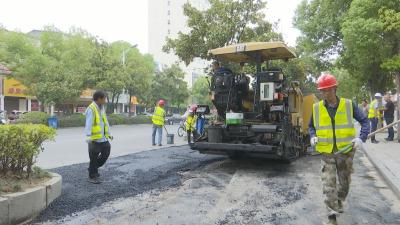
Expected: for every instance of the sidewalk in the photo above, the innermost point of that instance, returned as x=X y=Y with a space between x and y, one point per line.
x=386 y=158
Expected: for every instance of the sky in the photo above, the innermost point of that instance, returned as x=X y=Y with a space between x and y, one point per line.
x=113 y=20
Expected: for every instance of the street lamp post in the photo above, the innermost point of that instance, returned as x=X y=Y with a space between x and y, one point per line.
x=125 y=51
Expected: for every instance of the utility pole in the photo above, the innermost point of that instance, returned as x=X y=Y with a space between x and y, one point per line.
x=125 y=51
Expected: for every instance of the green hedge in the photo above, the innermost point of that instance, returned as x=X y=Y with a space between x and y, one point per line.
x=20 y=144
x=74 y=120
x=34 y=118
x=78 y=120
x=117 y=119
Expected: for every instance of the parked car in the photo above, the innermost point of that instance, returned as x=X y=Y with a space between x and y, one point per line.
x=3 y=117
x=15 y=114
x=174 y=118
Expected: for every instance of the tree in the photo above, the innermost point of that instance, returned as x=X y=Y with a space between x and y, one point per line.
x=52 y=67
x=366 y=47
x=168 y=84
x=225 y=22
x=391 y=23
x=201 y=91
x=347 y=34
x=320 y=22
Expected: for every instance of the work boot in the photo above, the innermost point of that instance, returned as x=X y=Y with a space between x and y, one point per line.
x=331 y=220
x=340 y=206
x=159 y=144
x=388 y=139
x=374 y=141
x=94 y=180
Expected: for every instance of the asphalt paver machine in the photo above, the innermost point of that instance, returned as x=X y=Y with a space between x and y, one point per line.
x=261 y=114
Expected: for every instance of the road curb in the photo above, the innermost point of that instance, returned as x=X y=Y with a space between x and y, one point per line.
x=387 y=174
x=18 y=207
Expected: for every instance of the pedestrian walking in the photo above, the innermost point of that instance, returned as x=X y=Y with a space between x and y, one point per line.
x=388 y=114
x=332 y=130
x=158 y=120
x=191 y=124
x=374 y=113
x=98 y=135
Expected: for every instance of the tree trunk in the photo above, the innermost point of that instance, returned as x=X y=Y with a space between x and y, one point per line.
x=130 y=105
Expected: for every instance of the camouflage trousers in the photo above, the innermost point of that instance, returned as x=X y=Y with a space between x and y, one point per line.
x=336 y=177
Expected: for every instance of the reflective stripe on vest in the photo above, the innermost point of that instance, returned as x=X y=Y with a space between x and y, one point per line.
x=344 y=127
x=97 y=133
x=158 y=116
x=190 y=123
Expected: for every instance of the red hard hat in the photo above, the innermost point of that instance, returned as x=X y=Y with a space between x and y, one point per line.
x=326 y=81
x=161 y=102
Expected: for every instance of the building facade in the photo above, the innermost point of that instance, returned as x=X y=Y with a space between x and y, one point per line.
x=166 y=19
x=13 y=94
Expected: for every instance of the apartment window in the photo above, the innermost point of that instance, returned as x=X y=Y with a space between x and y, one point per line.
x=169 y=31
x=169 y=22
x=169 y=12
x=169 y=2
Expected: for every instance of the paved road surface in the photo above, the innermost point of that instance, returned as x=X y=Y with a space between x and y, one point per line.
x=179 y=186
x=70 y=146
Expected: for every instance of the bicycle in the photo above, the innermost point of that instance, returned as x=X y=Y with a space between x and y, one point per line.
x=181 y=129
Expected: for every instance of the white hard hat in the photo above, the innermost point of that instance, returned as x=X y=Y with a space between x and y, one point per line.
x=378 y=95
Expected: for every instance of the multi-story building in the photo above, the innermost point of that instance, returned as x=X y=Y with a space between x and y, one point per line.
x=13 y=94
x=166 y=19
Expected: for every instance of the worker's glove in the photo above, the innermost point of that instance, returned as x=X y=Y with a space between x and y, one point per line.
x=314 y=141
x=357 y=143
x=110 y=138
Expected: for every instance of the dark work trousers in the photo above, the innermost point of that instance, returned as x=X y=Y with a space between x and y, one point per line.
x=189 y=136
x=390 y=130
x=98 y=154
x=374 y=125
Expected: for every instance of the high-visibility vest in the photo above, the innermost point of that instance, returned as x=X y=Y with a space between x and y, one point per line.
x=190 y=123
x=343 y=126
x=158 y=117
x=374 y=113
x=97 y=133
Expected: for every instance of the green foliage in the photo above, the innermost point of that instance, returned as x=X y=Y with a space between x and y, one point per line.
x=224 y=22
x=366 y=48
x=20 y=145
x=78 y=120
x=346 y=86
x=57 y=66
x=201 y=91
x=169 y=85
x=34 y=118
x=117 y=119
x=320 y=23
x=40 y=173
x=74 y=120
x=360 y=36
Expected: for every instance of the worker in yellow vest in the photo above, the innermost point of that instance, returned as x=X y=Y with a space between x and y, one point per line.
x=333 y=134
x=375 y=111
x=158 y=120
x=98 y=135
x=190 y=124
